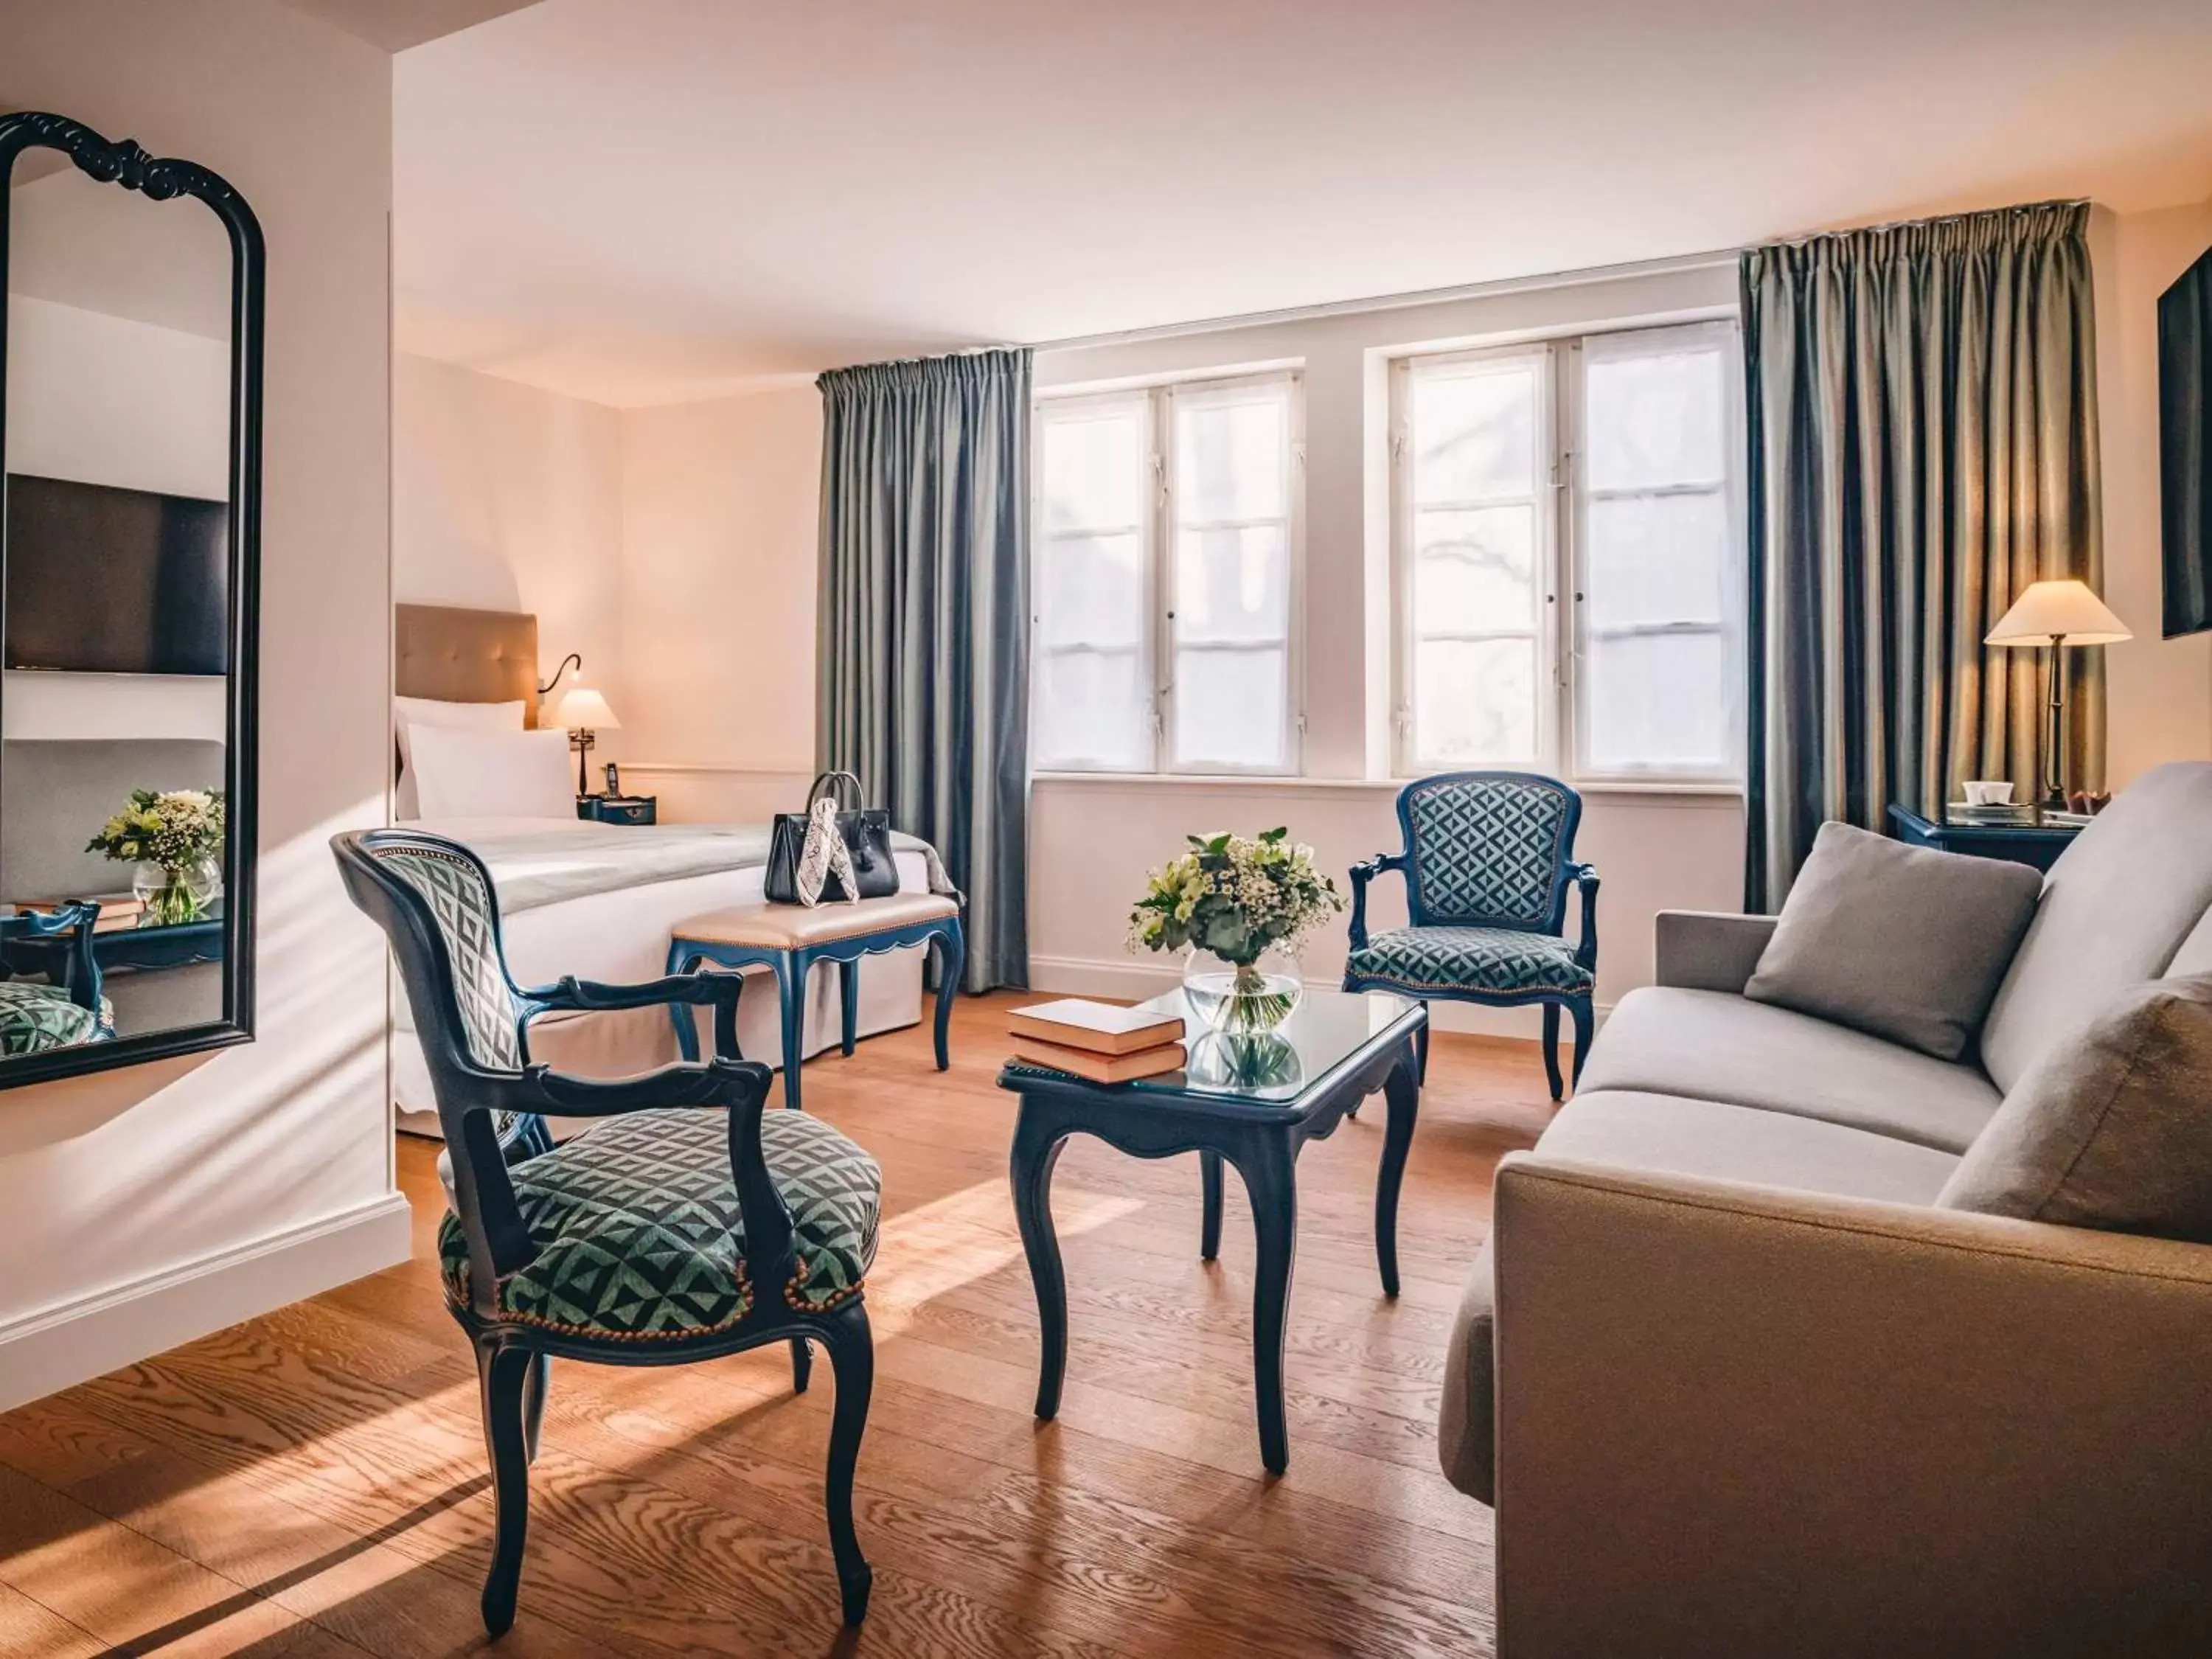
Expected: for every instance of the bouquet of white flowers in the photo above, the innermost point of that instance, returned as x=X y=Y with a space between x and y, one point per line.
x=1237 y=899
x=179 y=832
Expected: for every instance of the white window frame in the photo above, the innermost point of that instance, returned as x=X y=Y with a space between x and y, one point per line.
x=1560 y=541
x=1158 y=541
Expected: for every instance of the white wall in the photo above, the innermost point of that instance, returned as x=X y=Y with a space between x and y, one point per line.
x=719 y=520
x=2159 y=692
x=508 y=498
x=149 y=1206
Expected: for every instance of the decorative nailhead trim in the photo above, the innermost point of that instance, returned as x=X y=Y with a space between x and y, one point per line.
x=457 y=1294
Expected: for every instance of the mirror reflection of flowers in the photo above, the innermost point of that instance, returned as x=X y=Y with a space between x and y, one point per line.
x=175 y=837
x=1236 y=898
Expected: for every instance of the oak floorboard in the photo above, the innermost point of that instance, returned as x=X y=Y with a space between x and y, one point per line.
x=312 y=1485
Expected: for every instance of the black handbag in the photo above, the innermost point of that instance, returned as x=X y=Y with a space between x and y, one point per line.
x=867 y=833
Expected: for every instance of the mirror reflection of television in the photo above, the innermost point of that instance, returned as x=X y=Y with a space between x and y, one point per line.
x=2184 y=428
x=104 y=580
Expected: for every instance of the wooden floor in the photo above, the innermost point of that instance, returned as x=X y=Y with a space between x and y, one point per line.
x=313 y=1483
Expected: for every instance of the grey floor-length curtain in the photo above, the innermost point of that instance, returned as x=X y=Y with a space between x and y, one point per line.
x=1922 y=403
x=924 y=626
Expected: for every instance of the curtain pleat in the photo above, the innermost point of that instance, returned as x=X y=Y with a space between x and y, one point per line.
x=924 y=629
x=1923 y=446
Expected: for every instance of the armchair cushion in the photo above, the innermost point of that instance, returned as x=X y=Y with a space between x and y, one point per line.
x=35 y=1018
x=1497 y=961
x=640 y=1238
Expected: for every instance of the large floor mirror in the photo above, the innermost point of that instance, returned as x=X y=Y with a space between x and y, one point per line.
x=128 y=554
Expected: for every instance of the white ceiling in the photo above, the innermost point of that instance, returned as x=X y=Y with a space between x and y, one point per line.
x=647 y=200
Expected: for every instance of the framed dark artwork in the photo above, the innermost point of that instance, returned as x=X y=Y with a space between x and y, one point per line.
x=2184 y=384
x=131 y=349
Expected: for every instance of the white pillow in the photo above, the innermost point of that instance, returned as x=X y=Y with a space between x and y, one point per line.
x=460 y=774
x=430 y=711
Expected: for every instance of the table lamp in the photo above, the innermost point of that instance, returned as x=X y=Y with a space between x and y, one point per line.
x=2055 y=614
x=583 y=711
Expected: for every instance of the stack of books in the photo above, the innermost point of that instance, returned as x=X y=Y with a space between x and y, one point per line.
x=1095 y=1041
x=117 y=911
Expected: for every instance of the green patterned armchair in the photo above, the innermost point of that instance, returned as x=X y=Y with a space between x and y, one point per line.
x=1488 y=858
x=688 y=1225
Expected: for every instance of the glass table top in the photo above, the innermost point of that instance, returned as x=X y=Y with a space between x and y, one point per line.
x=1271 y=1068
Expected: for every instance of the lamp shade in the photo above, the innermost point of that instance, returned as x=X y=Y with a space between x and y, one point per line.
x=2067 y=612
x=582 y=708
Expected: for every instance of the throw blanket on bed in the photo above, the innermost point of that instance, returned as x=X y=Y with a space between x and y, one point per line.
x=537 y=867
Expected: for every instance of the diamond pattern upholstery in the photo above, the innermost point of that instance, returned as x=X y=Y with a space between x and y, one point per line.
x=35 y=1018
x=1486 y=851
x=461 y=905
x=639 y=1234
x=1500 y=961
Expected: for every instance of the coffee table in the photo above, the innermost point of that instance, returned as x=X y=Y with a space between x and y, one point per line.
x=1253 y=1102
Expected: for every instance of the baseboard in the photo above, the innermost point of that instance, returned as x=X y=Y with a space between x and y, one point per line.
x=1134 y=980
x=57 y=1348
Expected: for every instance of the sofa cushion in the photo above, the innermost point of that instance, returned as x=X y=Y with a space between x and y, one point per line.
x=2114 y=1131
x=1709 y=1045
x=1904 y=942
x=2116 y=907
x=1665 y=1134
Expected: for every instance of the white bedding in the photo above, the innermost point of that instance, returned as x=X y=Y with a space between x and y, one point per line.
x=621 y=937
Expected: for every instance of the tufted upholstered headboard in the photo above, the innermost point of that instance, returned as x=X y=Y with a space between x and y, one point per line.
x=466 y=656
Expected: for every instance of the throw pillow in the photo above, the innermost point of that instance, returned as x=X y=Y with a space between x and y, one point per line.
x=2112 y=1131
x=1904 y=942
x=459 y=774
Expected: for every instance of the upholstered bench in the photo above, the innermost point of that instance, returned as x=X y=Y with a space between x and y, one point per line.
x=790 y=938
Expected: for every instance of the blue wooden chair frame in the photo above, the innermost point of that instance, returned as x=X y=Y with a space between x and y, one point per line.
x=1421 y=913
x=494 y=1119
x=792 y=964
x=61 y=941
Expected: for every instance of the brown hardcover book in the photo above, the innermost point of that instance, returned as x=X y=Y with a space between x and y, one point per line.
x=1099 y=1027
x=1100 y=1068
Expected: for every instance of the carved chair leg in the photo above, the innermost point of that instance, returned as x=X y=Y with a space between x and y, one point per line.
x=802 y=1365
x=1551 y=1049
x=535 y=1381
x=853 y=1358
x=502 y=1374
x=1421 y=1054
x=1584 y=1018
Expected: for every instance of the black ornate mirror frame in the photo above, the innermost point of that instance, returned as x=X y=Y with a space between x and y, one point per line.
x=161 y=180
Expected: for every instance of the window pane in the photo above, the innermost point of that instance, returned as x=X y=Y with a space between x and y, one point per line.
x=1474 y=700
x=1095 y=468
x=1473 y=430
x=1228 y=707
x=1664 y=701
x=1655 y=419
x=1474 y=570
x=1656 y=558
x=1091 y=709
x=1232 y=585
x=1229 y=456
x=1090 y=590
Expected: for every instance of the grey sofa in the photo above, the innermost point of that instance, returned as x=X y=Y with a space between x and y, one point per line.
x=1734 y=1385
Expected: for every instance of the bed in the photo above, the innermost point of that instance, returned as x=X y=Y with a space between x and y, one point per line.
x=599 y=901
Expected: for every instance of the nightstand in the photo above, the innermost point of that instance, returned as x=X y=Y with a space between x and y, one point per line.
x=2036 y=844
x=618 y=809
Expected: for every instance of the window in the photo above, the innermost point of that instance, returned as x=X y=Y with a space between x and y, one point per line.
x=1166 y=582
x=1567 y=569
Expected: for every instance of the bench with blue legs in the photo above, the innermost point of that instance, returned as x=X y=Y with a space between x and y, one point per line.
x=790 y=938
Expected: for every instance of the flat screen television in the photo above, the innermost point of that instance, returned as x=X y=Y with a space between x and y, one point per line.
x=2184 y=444
x=102 y=580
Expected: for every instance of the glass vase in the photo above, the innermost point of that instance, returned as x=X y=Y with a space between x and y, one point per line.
x=174 y=894
x=1242 y=997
